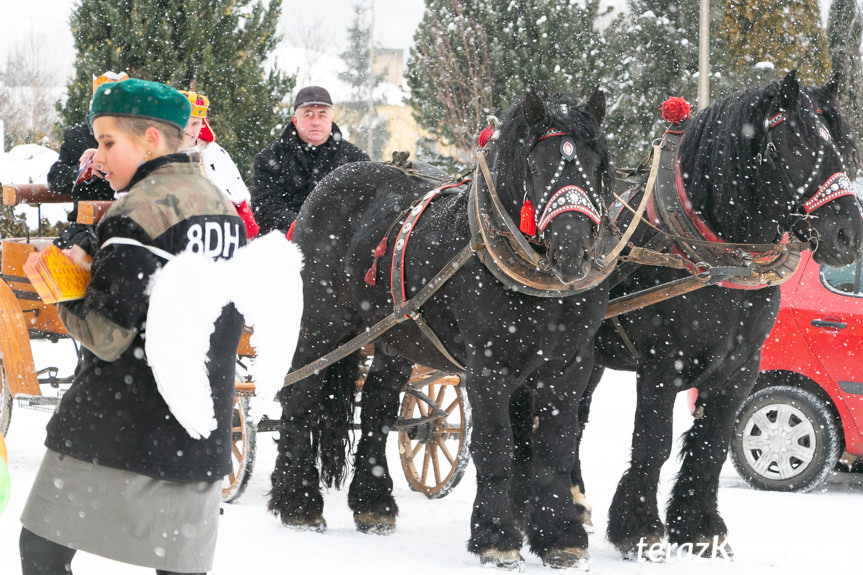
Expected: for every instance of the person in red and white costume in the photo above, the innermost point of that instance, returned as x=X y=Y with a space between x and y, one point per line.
x=217 y=163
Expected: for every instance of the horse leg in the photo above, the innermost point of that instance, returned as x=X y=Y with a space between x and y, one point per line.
x=370 y=493
x=556 y=532
x=692 y=513
x=308 y=429
x=522 y=421
x=296 y=494
x=579 y=493
x=494 y=536
x=633 y=519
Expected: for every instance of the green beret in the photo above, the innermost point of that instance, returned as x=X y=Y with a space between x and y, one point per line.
x=136 y=98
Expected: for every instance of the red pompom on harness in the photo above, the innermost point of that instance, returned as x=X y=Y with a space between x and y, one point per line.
x=675 y=110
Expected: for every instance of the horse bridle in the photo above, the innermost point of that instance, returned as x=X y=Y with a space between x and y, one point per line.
x=569 y=198
x=835 y=186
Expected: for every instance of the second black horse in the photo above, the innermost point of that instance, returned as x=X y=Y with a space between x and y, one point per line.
x=752 y=166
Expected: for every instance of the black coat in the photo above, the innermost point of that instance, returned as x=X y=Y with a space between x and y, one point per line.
x=288 y=170
x=61 y=176
x=113 y=414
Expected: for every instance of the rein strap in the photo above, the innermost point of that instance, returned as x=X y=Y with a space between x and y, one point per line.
x=407 y=311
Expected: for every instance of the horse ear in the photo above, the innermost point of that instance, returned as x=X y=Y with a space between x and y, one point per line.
x=789 y=91
x=534 y=109
x=596 y=104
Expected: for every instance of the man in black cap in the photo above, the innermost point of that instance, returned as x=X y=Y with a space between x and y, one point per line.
x=287 y=170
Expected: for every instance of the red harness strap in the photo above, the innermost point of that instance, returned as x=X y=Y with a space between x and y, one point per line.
x=402 y=238
x=397 y=272
x=710 y=235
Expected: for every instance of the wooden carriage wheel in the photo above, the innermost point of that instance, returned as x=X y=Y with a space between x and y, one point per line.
x=435 y=453
x=243 y=446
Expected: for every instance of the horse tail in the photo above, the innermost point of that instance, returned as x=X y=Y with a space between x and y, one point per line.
x=337 y=413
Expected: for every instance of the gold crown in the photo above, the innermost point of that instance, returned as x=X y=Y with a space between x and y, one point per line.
x=108 y=77
x=199 y=102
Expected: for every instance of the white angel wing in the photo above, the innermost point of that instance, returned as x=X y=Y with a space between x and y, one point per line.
x=186 y=298
x=268 y=291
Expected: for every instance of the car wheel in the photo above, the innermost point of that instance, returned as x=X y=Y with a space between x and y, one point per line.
x=785 y=439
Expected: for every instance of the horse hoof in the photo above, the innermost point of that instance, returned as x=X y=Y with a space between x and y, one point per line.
x=313 y=524
x=509 y=560
x=375 y=524
x=571 y=557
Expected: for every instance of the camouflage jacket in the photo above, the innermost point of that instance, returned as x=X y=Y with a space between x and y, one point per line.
x=113 y=414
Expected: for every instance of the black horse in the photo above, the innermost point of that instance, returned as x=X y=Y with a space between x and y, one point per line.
x=504 y=338
x=753 y=165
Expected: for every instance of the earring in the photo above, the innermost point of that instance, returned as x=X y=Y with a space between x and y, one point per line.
x=147 y=157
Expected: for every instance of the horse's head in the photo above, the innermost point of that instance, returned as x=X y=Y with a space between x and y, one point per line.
x=770 y=160
x=801 y=158
x=552 y=153
x=836 y=225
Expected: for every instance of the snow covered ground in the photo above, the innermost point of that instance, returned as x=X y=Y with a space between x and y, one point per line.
x=771 y=533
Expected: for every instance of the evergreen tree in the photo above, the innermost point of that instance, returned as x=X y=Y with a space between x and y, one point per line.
x=845 y=35
x=784 y=34
x=217 y=47
x=472 y=58
x=356 y=57
x=27 y=97
x=355 y=113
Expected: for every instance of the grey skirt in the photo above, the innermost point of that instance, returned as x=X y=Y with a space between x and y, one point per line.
x=124 y=516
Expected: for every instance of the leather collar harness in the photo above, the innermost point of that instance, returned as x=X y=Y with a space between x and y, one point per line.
x=509 y=255
x=697 y=248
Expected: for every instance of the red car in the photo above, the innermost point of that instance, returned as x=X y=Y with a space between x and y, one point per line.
x=807 y=405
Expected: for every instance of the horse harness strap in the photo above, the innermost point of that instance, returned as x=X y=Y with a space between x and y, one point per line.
x=761 y=264
x=405 y=312
x=397 y=274
x=507 y=254
x=522 y=247
x=693 y=246
x=648 y=194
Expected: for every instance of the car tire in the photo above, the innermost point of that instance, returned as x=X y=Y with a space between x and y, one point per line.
x=785 y=439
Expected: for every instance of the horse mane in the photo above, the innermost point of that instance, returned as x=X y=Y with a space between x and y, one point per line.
x=719 y=158
x=840 y=130
x=563 y=112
